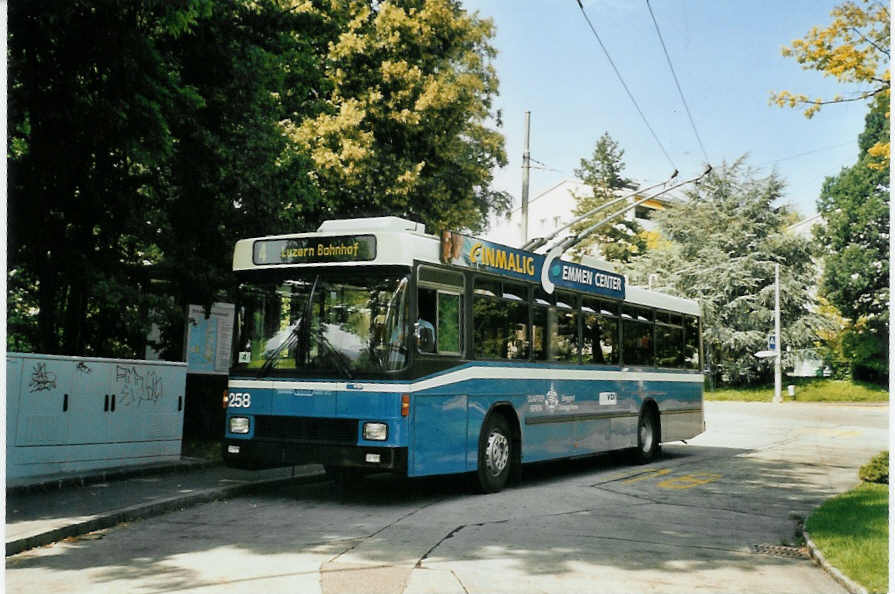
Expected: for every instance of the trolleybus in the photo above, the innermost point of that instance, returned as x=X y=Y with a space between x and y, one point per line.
x=370 y=345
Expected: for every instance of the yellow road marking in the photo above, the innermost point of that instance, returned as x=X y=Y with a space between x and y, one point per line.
x=688 y=481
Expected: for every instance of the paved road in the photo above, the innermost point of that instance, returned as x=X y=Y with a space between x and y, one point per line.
x=688 y=523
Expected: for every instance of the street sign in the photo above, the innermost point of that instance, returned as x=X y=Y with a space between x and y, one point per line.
x=766 y=354
x=772 y=342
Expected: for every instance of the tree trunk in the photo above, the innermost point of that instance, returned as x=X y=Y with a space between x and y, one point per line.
x=47 y=294
x=75 y=314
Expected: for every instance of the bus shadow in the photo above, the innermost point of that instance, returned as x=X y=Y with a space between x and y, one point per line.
x=589 y=517
x=388 y=489
x=534 y=474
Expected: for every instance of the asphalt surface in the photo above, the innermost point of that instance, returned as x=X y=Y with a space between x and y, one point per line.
x=54 y=508
x=762 y=485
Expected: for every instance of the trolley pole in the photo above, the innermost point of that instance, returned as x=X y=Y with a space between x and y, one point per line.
x=778 y=380
x=526 y=165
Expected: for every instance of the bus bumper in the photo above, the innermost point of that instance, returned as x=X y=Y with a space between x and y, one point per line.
x=270 y=454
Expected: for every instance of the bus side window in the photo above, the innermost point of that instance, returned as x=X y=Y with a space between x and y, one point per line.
x=637 y=336
x=563 y=329
x=450 y=311
x=515 y=303
x=540 y=338
x=427 y=304
x=601 y=344
x=691 y=342
x=500 y=320
x=669 y=345
x=440 y=309
x=439 y=320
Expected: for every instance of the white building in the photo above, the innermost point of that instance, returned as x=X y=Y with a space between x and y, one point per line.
x=805 y=227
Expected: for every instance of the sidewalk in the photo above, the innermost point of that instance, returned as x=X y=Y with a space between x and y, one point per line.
x=64 y=506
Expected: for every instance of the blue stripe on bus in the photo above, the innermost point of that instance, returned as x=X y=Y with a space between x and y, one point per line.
x=442 y=435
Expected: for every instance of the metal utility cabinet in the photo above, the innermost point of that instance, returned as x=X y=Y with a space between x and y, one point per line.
x=67 y=414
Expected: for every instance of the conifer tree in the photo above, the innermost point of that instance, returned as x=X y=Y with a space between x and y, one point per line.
x=603 y=173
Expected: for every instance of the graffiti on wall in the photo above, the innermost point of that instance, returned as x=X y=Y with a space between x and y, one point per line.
x=41 y=379
x=136 y=387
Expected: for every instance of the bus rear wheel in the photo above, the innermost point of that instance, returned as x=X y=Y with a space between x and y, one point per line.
x=495 y=454
x=647 y=437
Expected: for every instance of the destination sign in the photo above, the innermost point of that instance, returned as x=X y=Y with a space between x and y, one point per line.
x=584 y=278
x=471 y=252
x=314 y=250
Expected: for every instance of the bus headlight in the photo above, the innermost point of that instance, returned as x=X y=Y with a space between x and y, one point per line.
x=239 y=424
x=375 y=431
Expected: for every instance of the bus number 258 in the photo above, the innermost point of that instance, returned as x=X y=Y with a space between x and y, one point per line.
x=239 y=400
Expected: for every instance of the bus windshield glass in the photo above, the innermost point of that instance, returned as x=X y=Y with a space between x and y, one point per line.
x=323 y=325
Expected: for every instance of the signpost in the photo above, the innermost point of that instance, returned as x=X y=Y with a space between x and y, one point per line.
x=778 y=382
x=774 y=340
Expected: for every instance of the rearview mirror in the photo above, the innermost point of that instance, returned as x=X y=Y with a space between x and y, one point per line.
x=425 y=336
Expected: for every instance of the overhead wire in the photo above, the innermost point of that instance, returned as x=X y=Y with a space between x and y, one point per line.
x=805 y=153
x=545 y=167
x=677 y=83
x=625 y=86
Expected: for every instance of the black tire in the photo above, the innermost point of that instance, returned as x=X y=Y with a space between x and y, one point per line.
x=495 y=454
x=648 y=448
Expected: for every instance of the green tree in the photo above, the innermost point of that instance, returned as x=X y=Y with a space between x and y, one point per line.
x=404 y=132
x=138 y=156
x=854 y=49
x=603 y=173
x=720 y=248
x=855 y=247
x=88 y=97
x=226 y=178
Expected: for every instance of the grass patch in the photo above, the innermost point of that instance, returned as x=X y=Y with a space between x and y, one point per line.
x=852 y=531
x=807 y=390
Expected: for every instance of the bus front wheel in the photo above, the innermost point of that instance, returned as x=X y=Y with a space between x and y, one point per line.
x=647 y=437
x=495 y=454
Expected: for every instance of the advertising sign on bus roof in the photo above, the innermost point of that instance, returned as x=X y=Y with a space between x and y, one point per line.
x=471 y=252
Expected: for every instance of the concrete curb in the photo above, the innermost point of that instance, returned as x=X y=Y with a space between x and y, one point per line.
x=82 y=479
x=147 y=510
x=837 y=575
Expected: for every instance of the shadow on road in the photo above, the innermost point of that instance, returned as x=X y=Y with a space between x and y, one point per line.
x=600 y=513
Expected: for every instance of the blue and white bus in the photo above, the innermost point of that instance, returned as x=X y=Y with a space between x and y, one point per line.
x=371 y=346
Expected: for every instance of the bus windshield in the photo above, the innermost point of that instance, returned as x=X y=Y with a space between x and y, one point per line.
x=323 y=325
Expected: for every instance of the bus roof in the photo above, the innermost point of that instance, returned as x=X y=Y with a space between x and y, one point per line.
x=392 y=241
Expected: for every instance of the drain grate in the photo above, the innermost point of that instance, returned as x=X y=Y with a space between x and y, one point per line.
x=781 y=551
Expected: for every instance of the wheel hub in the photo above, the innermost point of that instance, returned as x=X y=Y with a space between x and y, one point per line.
x=646 y=435
x=497 y=454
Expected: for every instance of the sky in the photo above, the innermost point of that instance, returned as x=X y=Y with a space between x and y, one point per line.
x=728 y=60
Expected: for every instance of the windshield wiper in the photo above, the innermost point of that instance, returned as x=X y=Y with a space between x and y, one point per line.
x=290 y=340
x=294 y=334
x=336 y=355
